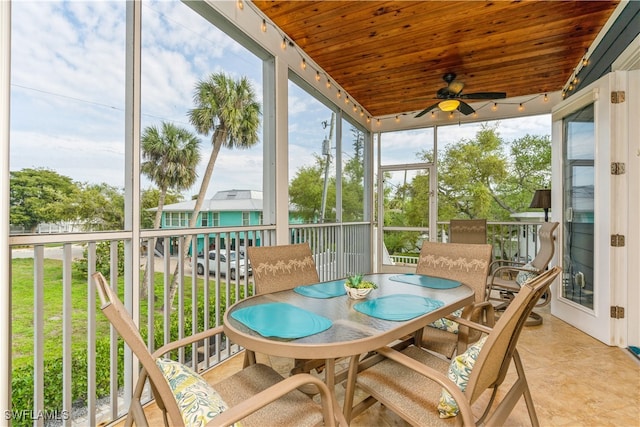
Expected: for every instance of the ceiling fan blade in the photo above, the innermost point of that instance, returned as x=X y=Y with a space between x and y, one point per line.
x=426 y=110
x=483 y=95
x=465 y=108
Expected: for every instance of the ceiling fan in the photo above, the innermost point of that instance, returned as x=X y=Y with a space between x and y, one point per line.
x=452 y=97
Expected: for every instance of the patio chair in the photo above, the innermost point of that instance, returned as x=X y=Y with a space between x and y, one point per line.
x=279 y=268
x=468 y=231
x=256 y=395
x=465 y=263
x=506 y=277
x=393 y=377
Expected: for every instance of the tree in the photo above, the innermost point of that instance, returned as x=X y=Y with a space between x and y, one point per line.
x=170 y=156
x=487 y=177
x=41 y=196
x=100 y=207
x=305 y=192
x=229 y=110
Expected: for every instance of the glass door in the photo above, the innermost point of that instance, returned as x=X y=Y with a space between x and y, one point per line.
x=581 y=163
x=578 y=203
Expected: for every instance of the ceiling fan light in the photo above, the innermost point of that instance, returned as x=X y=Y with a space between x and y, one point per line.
x=449 y=104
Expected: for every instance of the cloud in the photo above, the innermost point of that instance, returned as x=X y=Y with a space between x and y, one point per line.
x=68 y=93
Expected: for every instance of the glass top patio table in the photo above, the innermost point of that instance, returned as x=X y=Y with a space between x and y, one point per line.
x=351 y=332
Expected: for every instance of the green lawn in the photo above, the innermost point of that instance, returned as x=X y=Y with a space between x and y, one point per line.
x=23 y=303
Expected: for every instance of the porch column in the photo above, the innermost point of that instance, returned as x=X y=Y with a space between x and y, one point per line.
x=5 y=251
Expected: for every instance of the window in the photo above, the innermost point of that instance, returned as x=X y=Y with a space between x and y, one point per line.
x=215 y=218
x=246 y=218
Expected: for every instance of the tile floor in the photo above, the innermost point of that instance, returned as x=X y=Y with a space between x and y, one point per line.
x=575 y=380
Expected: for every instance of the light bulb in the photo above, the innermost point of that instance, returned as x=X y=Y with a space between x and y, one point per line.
x=263 y=27
x=284 y=43
x=303 y=64
x=494 y=107
x=240 y=4
x=546 y=98
x=317 y=76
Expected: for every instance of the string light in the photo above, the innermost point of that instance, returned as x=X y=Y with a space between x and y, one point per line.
x=494 y=107
x=433 y=114
x=521 y=107
x=304 y=64
x=546 y=98
x=397 y=119
x=378 y=123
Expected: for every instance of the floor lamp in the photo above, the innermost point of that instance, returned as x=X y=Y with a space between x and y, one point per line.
x=542 y=200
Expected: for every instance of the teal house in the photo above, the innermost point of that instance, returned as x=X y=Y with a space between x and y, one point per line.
x=229 y=208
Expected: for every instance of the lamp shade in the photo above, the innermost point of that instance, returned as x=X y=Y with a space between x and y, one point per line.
x=541 y=199
x=449 y=104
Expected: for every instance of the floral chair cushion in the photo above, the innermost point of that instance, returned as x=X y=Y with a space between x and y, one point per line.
x=446 y=324
x=459 y=371
x=524 y=276
x=198 y=402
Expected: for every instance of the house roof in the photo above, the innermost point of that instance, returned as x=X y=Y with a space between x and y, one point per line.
x=223 y=201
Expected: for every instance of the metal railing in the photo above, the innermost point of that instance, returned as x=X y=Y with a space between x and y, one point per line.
x=516 y=241
x=96 y=370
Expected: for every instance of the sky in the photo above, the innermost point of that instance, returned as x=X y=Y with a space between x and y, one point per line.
x=68 y=93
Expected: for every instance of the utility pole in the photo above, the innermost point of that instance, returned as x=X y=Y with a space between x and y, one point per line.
x=326 y=151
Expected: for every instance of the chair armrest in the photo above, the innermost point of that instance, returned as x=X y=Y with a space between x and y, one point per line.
x=474 y=325
x=331 y=410
x=436 y=376
x=504 y=262
x=187 y=340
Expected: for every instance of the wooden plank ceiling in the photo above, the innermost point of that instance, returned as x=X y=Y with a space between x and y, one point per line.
x=391 y=55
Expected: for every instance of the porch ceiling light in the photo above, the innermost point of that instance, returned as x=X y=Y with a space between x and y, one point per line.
x=449 y=104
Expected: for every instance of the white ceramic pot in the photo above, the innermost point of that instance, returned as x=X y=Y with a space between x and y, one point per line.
x=357 y=293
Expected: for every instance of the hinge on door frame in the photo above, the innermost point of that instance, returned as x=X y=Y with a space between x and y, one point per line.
x=617 y=240
x=617 y=312
x=617 y=97
x=617 y=168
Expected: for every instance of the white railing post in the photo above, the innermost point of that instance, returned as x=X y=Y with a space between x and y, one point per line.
x=5 y=250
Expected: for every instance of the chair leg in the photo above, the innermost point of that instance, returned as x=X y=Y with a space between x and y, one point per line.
x=527 y=393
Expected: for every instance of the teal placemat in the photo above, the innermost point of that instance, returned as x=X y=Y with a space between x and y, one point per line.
x=322 y=290
x=398 y=307
x=281 y=320
x=426 y=281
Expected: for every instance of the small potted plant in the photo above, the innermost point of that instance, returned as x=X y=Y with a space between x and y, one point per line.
x=357 y=288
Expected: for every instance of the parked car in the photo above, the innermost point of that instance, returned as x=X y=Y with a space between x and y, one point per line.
x=236 y=266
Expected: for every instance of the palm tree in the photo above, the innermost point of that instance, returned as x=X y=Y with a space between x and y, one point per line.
x=169 y=159
x=227 y=108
